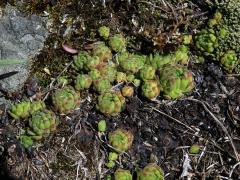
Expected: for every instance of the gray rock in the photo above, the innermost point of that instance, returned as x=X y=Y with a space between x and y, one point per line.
x=21 y=38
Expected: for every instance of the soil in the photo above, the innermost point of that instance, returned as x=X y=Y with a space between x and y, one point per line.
x=163 y=129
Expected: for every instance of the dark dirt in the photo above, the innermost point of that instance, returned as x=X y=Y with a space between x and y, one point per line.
x=163 y=130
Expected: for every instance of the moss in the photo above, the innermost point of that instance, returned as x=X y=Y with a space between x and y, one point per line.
x=230 y=12
x=102 y=85
x=127 y=91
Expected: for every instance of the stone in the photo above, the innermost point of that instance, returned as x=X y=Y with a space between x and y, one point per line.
x=21 y=38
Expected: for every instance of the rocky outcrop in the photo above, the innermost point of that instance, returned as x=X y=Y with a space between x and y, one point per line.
x=21 y=38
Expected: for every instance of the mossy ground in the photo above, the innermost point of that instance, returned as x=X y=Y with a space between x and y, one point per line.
x=163 y=131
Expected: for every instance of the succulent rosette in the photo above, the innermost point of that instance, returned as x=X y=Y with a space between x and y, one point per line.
x=62 y=80
x=83 y=81
x=20 y=110
x=150 y=89
x=102 y=125
x=104 y=32
x=66 y=99
x=127 y=91
x=121 y=174
x=37 y=106
x=206 y=41
x=26 y=141
x=151 y=172
x=147 y=73
x=102 y=85
x=117 y=43
x=181 y=55
x=137 y=82
x=121 y=140
x=122 y=56
x=157 y=60
x=121 y=77
x=218 y=16
x=42 y=123
x=80 y=60
x=112 y=156
x=110 y=103
x=130 y=78
x=175 y=81
x=133 y=63
x=187 y=39
x=102 y=51
x=229 y=61
x=24 y=109
x=215 y=20
x=94 y=74
x=92 y=62
x=108 y=72
x=194 y=149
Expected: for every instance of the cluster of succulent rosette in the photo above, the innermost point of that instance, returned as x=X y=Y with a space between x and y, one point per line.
x=114 y=74
x=108 y=64
x=121 y=141
x=220 y=41
x=24 y=109
x=42 y=121
x=150 y=172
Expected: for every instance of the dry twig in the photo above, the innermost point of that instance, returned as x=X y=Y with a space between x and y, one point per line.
x=219 y=123
x=51 y=87
x=232 y=170
x=174 y=119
